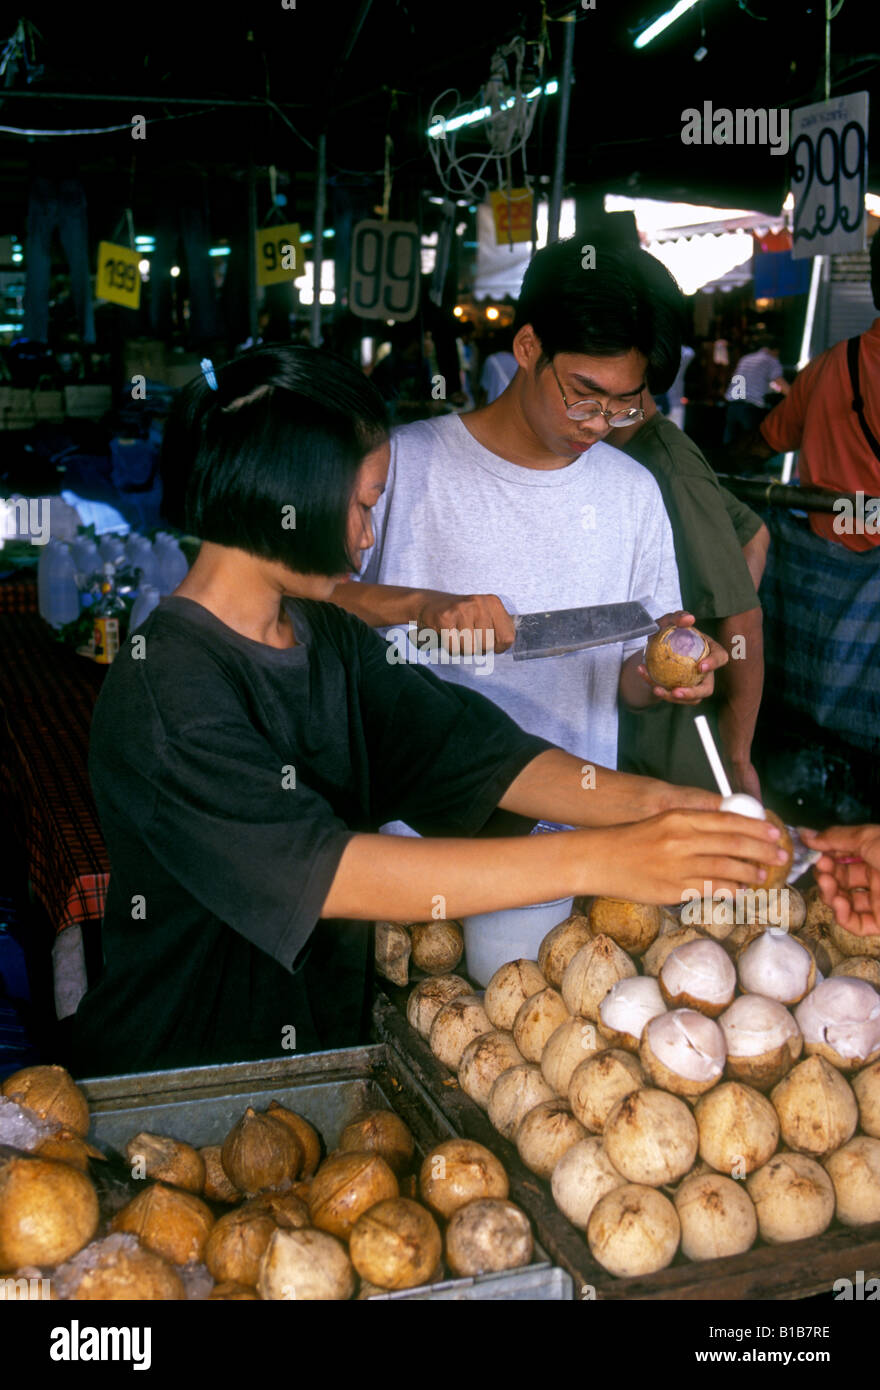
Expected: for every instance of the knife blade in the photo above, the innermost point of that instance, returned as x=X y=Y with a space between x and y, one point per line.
x=574 y=629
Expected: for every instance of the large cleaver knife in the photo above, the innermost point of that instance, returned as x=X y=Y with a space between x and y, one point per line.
x=574 y=629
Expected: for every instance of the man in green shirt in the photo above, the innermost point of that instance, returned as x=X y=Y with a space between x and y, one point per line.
x=720 y=548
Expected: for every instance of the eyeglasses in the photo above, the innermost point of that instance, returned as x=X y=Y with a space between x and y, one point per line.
x=588 y=410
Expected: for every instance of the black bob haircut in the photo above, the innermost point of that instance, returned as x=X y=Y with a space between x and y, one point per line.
x=627 y=300
x=288 y=426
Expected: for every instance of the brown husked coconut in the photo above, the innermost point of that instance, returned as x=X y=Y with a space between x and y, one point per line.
x=345 y=1186
x=571 y=1043
x=456 y=1025
x=793 y=1197
x=437 y=947
x=287 y=1209
x=633 y=926
x=669 y=939
x=537 y=1018
x=778 y=966
x=717 y=1217
x=598 y=1083
x=487 y=1236
x=855 y=1172
x=48 y=1211
x=260 y=1154
x=850 y=943
x=381 y=1132
x=700 y=976
x=509 y=988
x=777 y=874
x=673 y=656
x=787 y=910
x=840 y=1021
x=396 y=1244
x=459 y=1171
x=823 y=950
x=175 y=1224
x=859 y=968
x=232 y=1293
x=118 y=1269
x=305 y=1266
x=683 y=1052
x=392 y=950
x=762 y=1039
x=627 y=1008
x=819 y=914
x=739 y=1129
x=308 y=1136
x=715 y=917
x=592 y=972
x=633 y=1230
x=428 y=997
x=166 y=1160
x=866 y=1088
x=560 y=945
x=51 y=1093
x=68 y=1147
x=816 y=1107
x=483 y=1061
x=743 y=934
x=582 y=1176
x=217 y=1187
x=651 y=1137
x=236 y=1246
x=545 y=1134
x=517 y=1091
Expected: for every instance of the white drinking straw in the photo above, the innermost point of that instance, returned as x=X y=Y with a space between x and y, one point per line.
x=712 y=754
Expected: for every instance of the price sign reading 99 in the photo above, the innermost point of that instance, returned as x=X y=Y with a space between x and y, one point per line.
x=829 y=176
x=119 y=279
x=385 y=270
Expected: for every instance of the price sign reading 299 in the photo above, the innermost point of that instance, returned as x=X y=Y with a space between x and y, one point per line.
x=385 y=270
x=829 y=173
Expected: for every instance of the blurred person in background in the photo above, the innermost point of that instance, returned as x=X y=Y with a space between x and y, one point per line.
x=499 y=366
x=756 y=373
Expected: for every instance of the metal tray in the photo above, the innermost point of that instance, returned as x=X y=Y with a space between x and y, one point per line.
x=201 y=1104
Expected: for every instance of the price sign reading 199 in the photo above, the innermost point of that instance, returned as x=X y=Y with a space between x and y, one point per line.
x=118 y=280
x=385 y=270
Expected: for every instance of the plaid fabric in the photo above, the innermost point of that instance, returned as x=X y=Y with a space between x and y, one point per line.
x=19 y=594
x=821 y=606
x=47 y=695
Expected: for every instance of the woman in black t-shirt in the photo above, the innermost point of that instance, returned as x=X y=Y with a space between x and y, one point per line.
x=252 y=737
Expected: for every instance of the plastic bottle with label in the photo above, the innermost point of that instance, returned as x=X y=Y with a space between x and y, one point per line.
x=146 y=601
x=62 y=594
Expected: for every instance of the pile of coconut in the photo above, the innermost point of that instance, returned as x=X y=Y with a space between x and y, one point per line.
x=688 y=1083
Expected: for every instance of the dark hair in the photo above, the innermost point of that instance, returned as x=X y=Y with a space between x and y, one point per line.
x=875 y=269
x=627 y=300
x=289 y=425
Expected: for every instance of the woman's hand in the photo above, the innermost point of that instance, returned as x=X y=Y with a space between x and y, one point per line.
x=848 y=874
x=688 y=695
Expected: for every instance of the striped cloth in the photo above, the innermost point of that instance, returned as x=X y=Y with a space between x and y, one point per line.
x=822 y=630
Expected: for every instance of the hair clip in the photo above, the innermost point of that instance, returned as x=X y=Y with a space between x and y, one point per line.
x=207 y=367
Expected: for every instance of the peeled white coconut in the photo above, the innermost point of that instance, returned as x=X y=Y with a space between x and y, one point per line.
x=816 y=1107
x=717 y=1217
x=840 y=1020
x=683 y=1052
x=428 y=997
x=599 y=1083
x=739 y=1128
x=483 y=1061
x=777 y=966
x=672 y=935
x=627 y=1007
x=593 y=971
x=569 y=1045
x=456 y=1025
x=633 y=1230
x=509 y=988
x=859 y=968
x=793 y=1197
x=651 y=1137
x=634 y=926
x=582 y=1176
x=537 y=1018
x=866 y=1088
x=545 y=1133
x=699 y=976
x=561 y=944
x=855 y=1172
x=517 y=1091
x=762 y=1039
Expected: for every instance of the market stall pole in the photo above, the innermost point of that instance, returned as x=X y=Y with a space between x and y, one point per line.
x=561 y=132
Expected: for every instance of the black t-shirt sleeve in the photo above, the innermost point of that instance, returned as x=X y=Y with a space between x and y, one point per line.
x=441 y=755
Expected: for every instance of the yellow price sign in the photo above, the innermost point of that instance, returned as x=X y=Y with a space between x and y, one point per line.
x=119 y=279
x=279 y=254
x=512 y=210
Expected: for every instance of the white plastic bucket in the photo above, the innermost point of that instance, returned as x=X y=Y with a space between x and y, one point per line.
x=493 y=938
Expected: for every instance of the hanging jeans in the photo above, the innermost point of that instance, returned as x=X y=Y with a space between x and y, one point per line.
x=61 y=204
x=184 y=215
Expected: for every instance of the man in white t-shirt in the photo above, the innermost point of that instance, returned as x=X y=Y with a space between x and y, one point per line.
x=521 y=507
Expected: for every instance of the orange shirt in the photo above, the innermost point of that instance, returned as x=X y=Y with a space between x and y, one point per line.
x=817 y=418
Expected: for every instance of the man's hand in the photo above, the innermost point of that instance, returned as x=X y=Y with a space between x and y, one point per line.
x=848 y=874
x=469 y=613
x=688 y=695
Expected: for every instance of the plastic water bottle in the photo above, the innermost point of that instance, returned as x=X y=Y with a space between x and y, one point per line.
x=112 y=548
x=146 y=601
x=44 y=569
x=85 y=555
x=173 y=567
x=63 y=597
x=142 y=558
